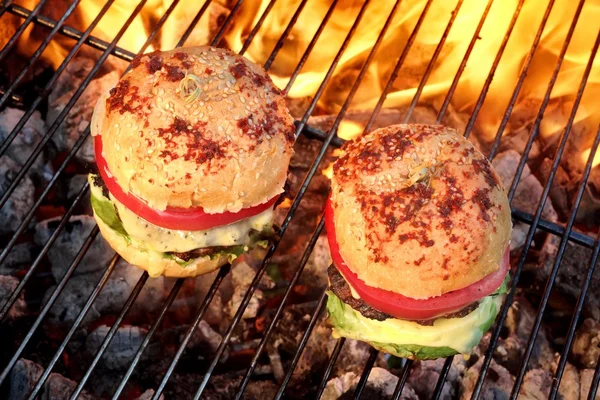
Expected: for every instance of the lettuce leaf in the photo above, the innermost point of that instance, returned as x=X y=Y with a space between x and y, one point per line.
x=106 y=211
x=446 y=336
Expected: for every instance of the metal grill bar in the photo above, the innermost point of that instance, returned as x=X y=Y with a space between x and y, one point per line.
x=562 y=246
x=271 y=327
x=302 y=345
x=399 y=63
x=402 y=381
x=463 y=63
x=490 y=77
x=82 y=314
x=434 y=57
x=586 y=283
x=113 y=329
x=362 y=382
x=334 y=356
x=15 y=294
x=188 y=335
x=554 y=229
x=49 y=303
x=310 y=47
x=595 y=382
x=530 y=234
x=522 y=75
x=46 y=90
x=138 y=354
x=292 y=210
x=38 y=52
x=11 y=42
x=284 y=35
x=70 y=32
x=257 y=27
x=439 y=386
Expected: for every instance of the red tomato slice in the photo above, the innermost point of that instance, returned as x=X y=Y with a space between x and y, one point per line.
x=189 y=219
x=405 y=307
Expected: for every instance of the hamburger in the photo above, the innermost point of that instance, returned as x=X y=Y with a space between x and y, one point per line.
x=419 y=226
x=192 y=148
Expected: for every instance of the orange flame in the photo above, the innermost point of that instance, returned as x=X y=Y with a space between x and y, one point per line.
x=404 y=87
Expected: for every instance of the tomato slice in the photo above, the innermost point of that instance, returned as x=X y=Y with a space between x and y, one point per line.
x=189 y=219
x=408 y=308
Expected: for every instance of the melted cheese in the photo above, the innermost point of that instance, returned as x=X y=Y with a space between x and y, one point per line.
x=169 y=240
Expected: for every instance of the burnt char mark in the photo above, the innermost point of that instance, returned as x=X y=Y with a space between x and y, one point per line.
x=123 y=97
x=180 y=56
x=174 y=73
x=198 y=146
x=481 y=197
x=154 y=63
x=339 y=286
x=239 y=69
x=483 y=167
x=97 y=180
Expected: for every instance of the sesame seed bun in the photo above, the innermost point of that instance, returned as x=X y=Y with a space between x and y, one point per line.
x=225 y=149
x=418 y=210
x=154 y=262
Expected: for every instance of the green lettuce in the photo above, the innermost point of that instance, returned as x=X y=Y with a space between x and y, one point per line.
x=445 y=337
x=105 y=209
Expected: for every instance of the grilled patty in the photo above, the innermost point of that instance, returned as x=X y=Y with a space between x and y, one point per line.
x=339 y=286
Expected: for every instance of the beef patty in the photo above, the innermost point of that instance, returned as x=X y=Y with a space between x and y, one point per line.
x=339 y=286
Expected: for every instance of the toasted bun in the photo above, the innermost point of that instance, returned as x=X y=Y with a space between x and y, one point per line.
x=225 y=150
x=418 y=210
x=153 y=261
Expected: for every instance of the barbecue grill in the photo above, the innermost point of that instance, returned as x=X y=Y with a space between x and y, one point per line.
x=328 y=139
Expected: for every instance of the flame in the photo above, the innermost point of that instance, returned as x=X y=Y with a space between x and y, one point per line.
x=585 y=155
x=314 y=70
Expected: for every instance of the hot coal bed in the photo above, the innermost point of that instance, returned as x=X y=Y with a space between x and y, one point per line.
x=78 y=322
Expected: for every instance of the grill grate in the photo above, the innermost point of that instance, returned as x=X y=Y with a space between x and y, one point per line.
x=328 y=139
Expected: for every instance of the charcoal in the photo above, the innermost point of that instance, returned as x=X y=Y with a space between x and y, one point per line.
x=205 y=335
x=380 y=385
x=25 y=142
x=122 y=348
x=25 y=375
x=7 y=285
x=80 y=115
x=572 y=272
x=353 y=357
x=519 y=324
x=110 y=300
x=147 y=395
x=242 y=275
x=258 y=390
x=585 y=378
x=60 y=388
x=529 y=190
x=498 y=383
x=23 y=378
x=69 y=242
x=586 y=346
x=20 y=256
x=21 y=199
x=569 y=388
x=74 y=186
x=424 y=376
x=315 y=271
x=536 y=384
